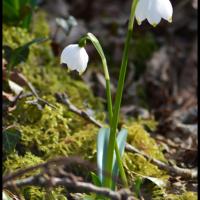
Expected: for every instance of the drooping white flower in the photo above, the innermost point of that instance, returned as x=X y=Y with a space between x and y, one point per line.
x=75 y=57
x=153 y=11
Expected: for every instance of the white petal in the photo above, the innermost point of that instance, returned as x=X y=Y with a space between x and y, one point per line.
x=153 y=16
x=84 y=60
x=15 y=87
x=69 y=56
x=165 y=9
x=153 y=10
x=75 y=57
x=141 y=11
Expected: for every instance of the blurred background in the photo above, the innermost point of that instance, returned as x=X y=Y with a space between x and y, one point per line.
x=162 y=69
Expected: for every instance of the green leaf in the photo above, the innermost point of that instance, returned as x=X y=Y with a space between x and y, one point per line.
x=121 y=142
x=10 y=13
x=66 y=24
x=137 y=185
x=102 y=143
x=95 y=179
x=18 y=12
x=11 y=137
x=20 y=54
x=102 y=148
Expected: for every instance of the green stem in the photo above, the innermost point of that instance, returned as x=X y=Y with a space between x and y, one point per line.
x=115 y=118
x=99 y=49
x=109 y=100
x=118 y=157
x=120 y=165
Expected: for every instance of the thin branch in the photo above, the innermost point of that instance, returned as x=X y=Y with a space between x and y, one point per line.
x=54 y=174
x=38 y=99
x=58 y=161
x=78 y=186
x=184 y=173
x=172 y=144
x=62 y=98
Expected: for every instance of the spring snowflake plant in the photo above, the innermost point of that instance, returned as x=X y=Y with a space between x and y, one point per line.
x=110 y=141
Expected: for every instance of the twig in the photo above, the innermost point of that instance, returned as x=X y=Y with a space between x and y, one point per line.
x=57 y=161
x=54 y=175
x=172 y=144
x=61 y=161
x=184 y=173
x=42 y=181
x=38 y=99
x=16 y=99
x=62 y=98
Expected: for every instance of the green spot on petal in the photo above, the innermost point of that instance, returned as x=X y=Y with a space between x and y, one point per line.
x=154 y=24
x=170 y=20
x=139 y=22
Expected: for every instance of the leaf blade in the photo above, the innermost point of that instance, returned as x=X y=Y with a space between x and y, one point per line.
x=102 y=143
x=10 y=138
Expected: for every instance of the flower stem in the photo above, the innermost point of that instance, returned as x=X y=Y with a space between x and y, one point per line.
x=118 y=157
x=99 y=49
x=115 y=118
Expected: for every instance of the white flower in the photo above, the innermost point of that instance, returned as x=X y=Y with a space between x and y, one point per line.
x=75 y=57
x=153 y=11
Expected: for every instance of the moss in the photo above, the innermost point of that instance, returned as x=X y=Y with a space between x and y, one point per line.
x=148 y=124
x=140 y=138
x=36 y=193
x=33 y=193
x=15 y=36
x=41 y=129
x=47 y=129
x=184 y=196
x=15 y=162
x=36 y=27
x=84 y=142
x=137 y=164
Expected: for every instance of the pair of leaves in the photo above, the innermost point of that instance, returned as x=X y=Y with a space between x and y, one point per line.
x=102 y=149
x=66 y=24
x=11 y=137
x=20 y=54
x=18 y=12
